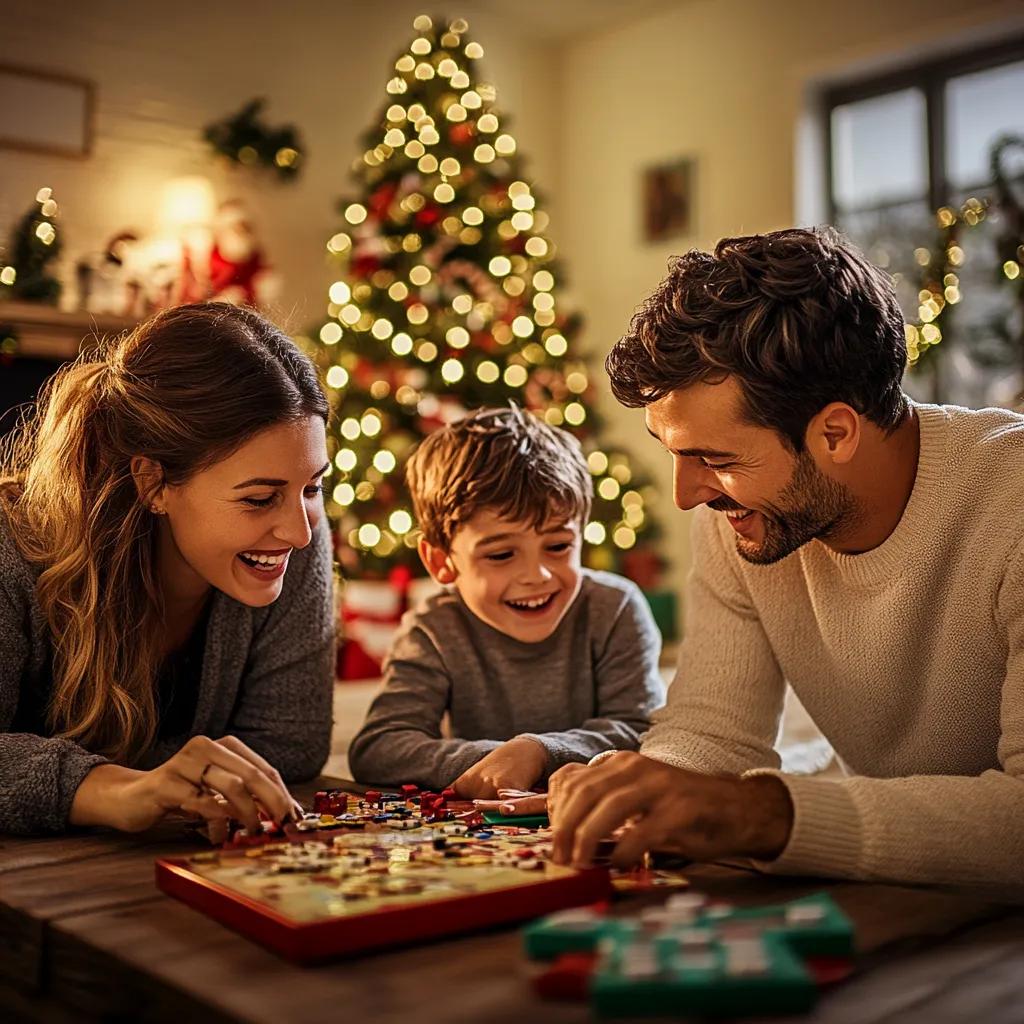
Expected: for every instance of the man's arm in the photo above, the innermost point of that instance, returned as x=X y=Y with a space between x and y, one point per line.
x=725 y=702
x=936 y=829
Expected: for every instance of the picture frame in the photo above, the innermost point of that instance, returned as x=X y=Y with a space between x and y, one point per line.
x=47 y=113
x=668 y=199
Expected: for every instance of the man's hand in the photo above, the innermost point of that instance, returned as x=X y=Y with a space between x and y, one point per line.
x=703 y=817
x=517 y=764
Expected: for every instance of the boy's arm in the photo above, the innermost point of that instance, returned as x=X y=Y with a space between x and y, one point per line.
x=628 y=684
x=401 y=740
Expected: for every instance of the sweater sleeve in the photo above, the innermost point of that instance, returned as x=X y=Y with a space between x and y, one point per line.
x=284 y=708
x=628 y=688
x=925 y=829
x=725 y=702
x=400 y=741
x=38 y=777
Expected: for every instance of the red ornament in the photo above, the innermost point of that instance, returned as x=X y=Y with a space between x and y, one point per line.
x=462 y=134
x=400 y=577
x=364 y=266
x=428 y=216
x=381 y=198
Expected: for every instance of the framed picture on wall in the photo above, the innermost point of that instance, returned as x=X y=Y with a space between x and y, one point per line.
x=668 y=200
x=45 y=113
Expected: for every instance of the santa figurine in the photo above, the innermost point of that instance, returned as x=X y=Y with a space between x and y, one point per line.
x=238 y=269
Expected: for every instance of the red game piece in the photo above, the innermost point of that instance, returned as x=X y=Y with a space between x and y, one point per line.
x=567 y=978
x=409 y=791
x=371 y=796
x=447 y=794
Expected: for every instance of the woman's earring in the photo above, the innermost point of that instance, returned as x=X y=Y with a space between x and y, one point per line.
x=157 y=511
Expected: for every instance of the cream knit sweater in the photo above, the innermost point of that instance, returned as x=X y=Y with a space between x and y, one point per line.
x=909 y=657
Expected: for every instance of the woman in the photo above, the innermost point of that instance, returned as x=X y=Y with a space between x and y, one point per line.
x=165 y=578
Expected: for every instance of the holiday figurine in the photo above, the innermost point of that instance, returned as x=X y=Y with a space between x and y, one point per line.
x=239 y=271
x=227 y=263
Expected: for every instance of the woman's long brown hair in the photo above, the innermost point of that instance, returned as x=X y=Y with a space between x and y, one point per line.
x=186 y=388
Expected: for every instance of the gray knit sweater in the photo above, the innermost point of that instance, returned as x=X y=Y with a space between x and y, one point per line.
x=266 y=678
x=589 y=687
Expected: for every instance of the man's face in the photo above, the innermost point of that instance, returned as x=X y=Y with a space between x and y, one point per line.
x=774 y=501
x=514 y=577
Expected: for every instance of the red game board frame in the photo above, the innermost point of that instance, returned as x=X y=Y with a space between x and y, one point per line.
x=378 y=929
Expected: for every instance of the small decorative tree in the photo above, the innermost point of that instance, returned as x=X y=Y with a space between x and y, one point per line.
x=34 y=244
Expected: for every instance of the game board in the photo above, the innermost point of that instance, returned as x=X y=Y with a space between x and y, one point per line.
x=363 y=873
x=691 y=957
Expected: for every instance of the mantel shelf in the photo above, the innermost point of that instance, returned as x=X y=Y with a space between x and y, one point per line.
x=46 y=332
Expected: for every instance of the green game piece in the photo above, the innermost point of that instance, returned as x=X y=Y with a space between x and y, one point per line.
x=687 y=959
x=519 y=821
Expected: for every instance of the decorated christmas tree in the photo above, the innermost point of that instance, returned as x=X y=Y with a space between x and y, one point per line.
x=447 y=300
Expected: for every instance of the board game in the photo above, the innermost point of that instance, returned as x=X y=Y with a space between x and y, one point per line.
x=691 y=957
x=365 y=872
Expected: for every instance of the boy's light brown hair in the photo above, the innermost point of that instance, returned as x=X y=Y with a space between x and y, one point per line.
x=504 y=460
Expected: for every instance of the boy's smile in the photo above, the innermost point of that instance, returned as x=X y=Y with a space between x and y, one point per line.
x=516 y=577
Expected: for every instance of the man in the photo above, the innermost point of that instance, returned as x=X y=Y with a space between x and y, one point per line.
x=864 y=548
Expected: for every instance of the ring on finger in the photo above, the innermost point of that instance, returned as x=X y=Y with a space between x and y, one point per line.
x=203 y=785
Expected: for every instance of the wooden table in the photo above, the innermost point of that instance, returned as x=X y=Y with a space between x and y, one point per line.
x=86 y=937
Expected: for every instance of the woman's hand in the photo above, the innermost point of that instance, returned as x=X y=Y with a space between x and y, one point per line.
x=210 y=780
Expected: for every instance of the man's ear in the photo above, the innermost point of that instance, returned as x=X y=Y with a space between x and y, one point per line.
x=148 y=477
x=436 y=561
x=835 y=433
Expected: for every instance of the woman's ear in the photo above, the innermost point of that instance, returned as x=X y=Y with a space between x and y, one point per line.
x=149 y=482
x=436 y=561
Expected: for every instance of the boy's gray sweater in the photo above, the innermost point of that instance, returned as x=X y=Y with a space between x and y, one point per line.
x=589 y=687
x=267 y=679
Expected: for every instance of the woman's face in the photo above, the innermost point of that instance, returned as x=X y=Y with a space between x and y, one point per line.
x=234 y=525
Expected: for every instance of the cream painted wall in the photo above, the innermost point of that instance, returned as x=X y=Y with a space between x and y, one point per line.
x=160 y=77
x=727 y=82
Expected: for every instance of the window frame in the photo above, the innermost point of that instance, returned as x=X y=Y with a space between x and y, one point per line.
x=930 y=77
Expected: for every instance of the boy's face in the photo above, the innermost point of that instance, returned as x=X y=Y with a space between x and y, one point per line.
x=519 y=579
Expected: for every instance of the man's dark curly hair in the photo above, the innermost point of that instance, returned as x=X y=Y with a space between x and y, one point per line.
x=799 y=317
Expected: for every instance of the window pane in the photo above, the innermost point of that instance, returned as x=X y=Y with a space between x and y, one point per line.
x=889 y=237
x=981 y=107
x=879 y=152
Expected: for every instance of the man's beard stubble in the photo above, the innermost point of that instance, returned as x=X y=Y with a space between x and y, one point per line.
x=811 y=506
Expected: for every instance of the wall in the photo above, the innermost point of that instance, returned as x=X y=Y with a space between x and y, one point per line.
x=164 y=71
x=728 y=83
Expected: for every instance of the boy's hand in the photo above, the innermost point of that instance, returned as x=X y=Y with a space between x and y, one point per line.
x=515 y=803
x=517 y=764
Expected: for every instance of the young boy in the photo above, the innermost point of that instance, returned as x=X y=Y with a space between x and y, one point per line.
x=537 y=661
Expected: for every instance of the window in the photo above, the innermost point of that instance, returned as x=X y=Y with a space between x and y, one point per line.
x=902 y=147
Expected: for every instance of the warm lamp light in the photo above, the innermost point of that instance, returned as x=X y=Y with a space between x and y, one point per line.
x=186 y=202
